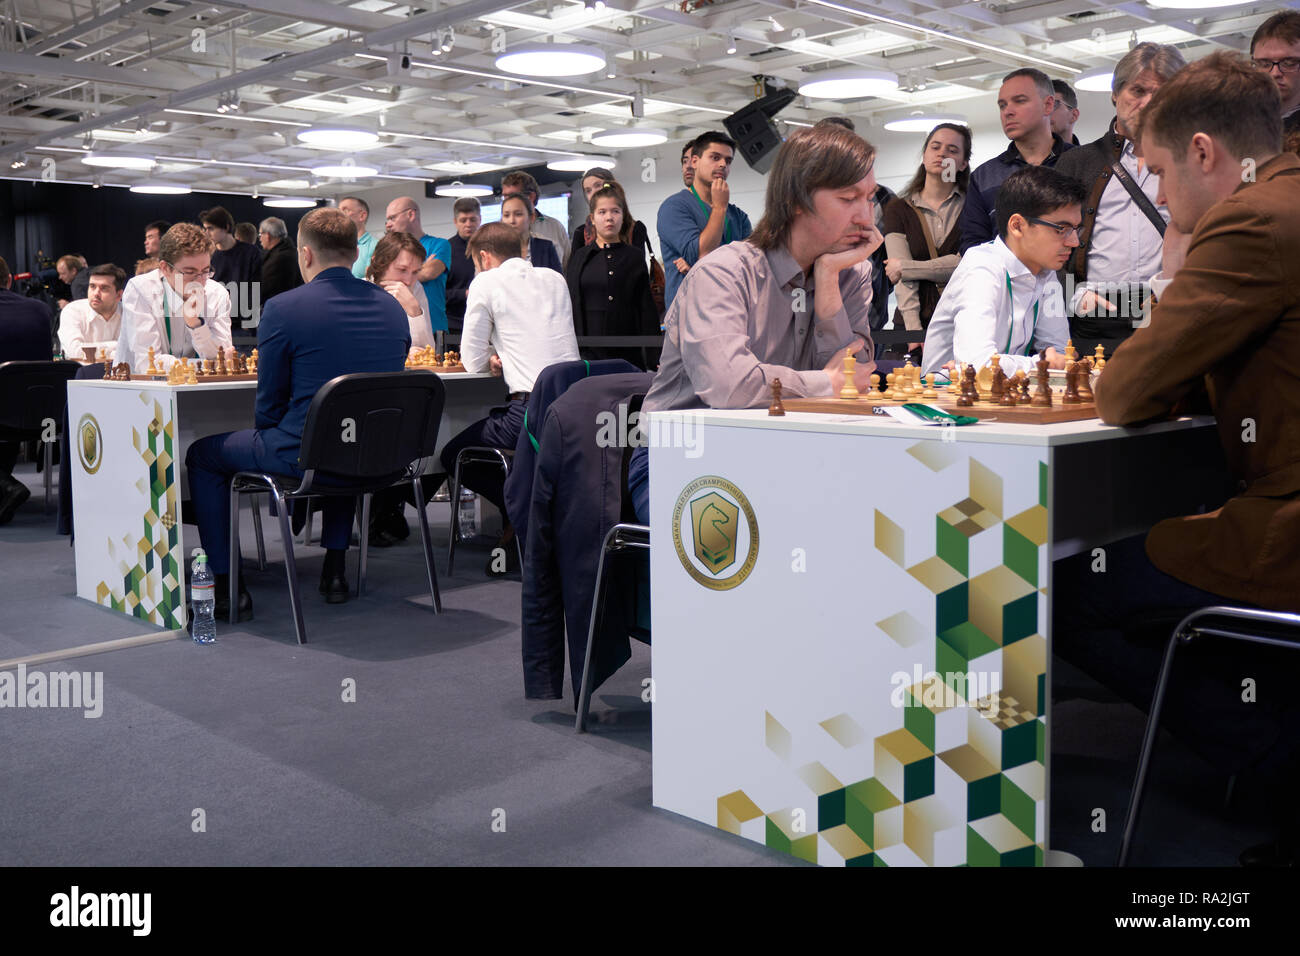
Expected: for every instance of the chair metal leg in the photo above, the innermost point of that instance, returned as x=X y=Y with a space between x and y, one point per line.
x=597 y=609
x=455 y=517
x=290 y=566
x=427 y=541
x=363 y=516
x=234 y=552
x=306 y=525
x=48 y=452
x=256 y=503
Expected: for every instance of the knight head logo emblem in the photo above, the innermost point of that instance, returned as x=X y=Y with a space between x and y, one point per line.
x=713 y=521
x=90 y=443
x=715 y=533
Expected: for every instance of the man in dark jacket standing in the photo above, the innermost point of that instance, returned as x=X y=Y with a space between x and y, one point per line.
x=24 y=336
x=280 y=261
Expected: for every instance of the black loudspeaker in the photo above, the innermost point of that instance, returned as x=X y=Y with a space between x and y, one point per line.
x=754 y=132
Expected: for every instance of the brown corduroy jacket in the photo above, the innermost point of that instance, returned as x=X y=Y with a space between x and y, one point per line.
x=1231 y=318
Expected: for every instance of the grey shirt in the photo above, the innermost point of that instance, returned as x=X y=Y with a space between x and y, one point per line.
x=736 y=325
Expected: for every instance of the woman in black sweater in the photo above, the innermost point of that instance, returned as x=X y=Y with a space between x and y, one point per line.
x=608 y=280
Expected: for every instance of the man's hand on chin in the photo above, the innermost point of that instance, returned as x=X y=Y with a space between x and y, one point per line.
x=833 y=263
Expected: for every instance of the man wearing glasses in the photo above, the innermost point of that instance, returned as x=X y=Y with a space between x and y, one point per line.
x=1275 y=49
x=177 y=309
x=1004 y=298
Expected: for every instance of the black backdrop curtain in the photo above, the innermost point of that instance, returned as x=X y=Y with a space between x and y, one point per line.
x=104 y=225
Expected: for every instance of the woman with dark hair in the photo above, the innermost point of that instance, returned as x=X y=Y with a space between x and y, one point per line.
x=609 y=285
x=518 y=212
x=922 y=232
x=585 y=234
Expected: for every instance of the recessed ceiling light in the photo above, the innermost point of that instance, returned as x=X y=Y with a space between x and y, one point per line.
x=116 y=161
x=552 y=59
x=923 y=122
x=345 y=170
x=288 y=184
x=160 y=189
x=1095 y=81
x=462 y=189
x=629 y=136
x=289 y=202
x=331 y=136
x=580 y=164
x=848 y=84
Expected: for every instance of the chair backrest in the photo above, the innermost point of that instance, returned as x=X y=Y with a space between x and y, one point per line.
x=366 y=429
x=32 y=392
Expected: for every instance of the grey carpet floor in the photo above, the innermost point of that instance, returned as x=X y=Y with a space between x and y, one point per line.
x=252 y=736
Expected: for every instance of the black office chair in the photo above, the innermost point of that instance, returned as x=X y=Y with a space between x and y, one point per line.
x=33 y=397
x=475 y=455
x=1271 y=628
x=394 y=420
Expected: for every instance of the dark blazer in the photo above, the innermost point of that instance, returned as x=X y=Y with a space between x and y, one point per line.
x=577 y=497
x=543 y=254
x=459 y=275
x=628 y=306
x=977 y=221
x=80 y=285
x=26 y=329
x=1090 y=165
x=1231 y=320
x=280 y=271
x=331 y=326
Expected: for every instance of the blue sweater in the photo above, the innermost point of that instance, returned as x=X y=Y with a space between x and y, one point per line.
x=682 y=218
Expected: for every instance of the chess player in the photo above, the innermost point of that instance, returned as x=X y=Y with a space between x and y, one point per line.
x=333 y=325
x=700 y=218
x=1121 y=238
x=1227 y=321
x=519 y=183
x=403 y=215
x=736 y=324
x=97 y=318
x=178 y=310
x=395 y=267
x=1026 y=101
x=24 y=336
x=1004 y=298
x=518 y=320
x=1275 y=49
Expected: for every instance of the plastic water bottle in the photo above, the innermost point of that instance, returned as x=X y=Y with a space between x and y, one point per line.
x=203 y=589
x=468 y=514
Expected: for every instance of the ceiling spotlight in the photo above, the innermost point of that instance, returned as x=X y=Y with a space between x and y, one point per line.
x=848 y=84
x=234 y=101
x=19 y=162
x=459 y=189
x=610 y=71
x=1095 y=81
x=579 y=164
x=552 y=59
x=141 y=127
x=336 y=136
x=289 y=202
x=638 y=105
x=160 y=189
x=629 y=136
x=115 y=161
x=97 y=182
x=88 y=141
x=731 y=43
x=447 y=40
x=594 y=6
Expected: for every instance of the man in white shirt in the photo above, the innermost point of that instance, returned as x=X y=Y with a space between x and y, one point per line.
x=96 y=319
x=518 y=320
x=177 y=309
x=1004 y=298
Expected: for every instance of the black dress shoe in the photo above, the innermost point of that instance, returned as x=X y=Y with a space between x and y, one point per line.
x=12 y=494
x=394 y=524
x=334 y=587
x=379 y=538
x=1279 y=853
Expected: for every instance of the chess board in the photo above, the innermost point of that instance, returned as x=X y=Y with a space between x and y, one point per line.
x=983 y=410
x=202 y=379
x=443 y=369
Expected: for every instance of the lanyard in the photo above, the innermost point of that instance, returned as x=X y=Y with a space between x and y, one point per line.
x=1011 y=314
x=726 y=222
x=167 y=318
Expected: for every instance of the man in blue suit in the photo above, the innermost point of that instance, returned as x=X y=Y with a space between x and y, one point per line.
x=333 y=325
x=25 y=328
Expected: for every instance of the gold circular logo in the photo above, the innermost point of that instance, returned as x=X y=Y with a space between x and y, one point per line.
x=714 y=540
x=90 y=443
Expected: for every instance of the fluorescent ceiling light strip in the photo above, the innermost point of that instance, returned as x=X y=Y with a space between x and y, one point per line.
x=236 y=116
x=853 y=11
x=494 y=147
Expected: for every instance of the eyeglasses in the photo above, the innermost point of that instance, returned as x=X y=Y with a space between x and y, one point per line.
x=1290 y=64
x=1063 y=229
x=196 y=273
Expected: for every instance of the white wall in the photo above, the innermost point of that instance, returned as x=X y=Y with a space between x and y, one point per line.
x=898 y=155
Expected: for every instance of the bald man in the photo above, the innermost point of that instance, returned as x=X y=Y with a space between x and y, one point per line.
x=403 y=215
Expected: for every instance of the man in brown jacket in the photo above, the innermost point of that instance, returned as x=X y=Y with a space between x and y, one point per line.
x=1228 y=317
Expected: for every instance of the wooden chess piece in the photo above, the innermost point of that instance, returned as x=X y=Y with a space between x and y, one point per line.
x=776 y=408
x=191 y=376
x=252 y=361
x=873 y=394
x=850 y=390
x=1023 y=379
x=1099 y=357
x=1085 y=381
x=1071 y=396
x=968 y=393
x=1008 y=397
x=999 y=379
x=1043 y=394
x=929 y=390
x=221 y=361
x=153 y=363
x=1071 y=353
x=954 y=378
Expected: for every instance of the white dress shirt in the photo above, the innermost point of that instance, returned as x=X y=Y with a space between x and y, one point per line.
x=81 y=326
x=144 y=324
x=523 y=315
x=421 y=328
x=1125 y=246
x=976 y=319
